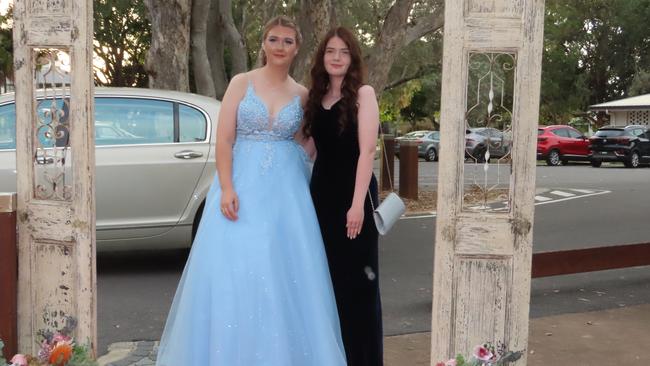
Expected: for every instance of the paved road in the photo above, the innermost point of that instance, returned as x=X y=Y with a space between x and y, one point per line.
x=135 y=289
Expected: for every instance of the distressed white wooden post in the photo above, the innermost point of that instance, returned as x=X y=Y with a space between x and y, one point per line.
x=55 y=158
x=491 y=78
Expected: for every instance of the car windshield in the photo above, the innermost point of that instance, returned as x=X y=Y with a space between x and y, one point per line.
x=610 y=133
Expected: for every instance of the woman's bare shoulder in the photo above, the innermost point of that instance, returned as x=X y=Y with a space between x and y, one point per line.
x=366 y=91
x=301 y=91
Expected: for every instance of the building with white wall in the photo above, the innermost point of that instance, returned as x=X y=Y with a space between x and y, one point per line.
x=628 y=111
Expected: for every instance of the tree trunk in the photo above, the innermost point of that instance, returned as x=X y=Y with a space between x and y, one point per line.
x=200 y=64
x=233 y=38
x=215 y=48
x=167 y=59
x=396 y=33
x=315 y=20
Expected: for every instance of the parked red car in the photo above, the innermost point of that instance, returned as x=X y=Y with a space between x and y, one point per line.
x=559 y=144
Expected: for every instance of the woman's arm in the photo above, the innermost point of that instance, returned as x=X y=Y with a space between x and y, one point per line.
x=307 y=143
x=368 y=117
x=226 y=133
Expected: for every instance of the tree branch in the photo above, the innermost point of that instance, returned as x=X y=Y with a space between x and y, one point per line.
x=426 y=25
x=420 y=72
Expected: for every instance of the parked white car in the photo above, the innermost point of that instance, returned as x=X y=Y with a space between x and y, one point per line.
x=154 y=164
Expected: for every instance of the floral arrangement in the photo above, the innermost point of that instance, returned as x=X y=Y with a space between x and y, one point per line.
x=485 y=355
x=57 y=349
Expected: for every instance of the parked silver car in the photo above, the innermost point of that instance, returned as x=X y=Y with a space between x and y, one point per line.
x=154 y=164
x=477 y=140
x=428 y=143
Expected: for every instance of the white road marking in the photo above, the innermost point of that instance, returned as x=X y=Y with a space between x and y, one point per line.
x=563 y=194
x=585 y=191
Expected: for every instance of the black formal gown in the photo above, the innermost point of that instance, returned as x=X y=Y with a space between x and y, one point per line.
x=352 y=262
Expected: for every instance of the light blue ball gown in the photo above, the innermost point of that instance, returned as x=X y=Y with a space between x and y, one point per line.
x=257 y=291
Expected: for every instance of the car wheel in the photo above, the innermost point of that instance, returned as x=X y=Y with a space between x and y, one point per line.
x=596 y=163
x=479 y=154
x=430 y=155
x=553 y=158
x=197 y=220
x=634 y=160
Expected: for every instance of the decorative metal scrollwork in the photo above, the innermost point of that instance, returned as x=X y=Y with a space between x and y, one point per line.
x=52 y=163
x=488 y=135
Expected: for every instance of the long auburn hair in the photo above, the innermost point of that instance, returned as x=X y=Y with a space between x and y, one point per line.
x=355 y=77
x=283 y=21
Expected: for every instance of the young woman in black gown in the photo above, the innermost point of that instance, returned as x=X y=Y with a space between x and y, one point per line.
x=342 y=117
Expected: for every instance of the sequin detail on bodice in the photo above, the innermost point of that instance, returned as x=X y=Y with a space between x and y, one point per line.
x=255 y=122
x=259 y=134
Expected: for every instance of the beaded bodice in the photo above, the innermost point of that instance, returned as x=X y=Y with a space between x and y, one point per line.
x=254 y=120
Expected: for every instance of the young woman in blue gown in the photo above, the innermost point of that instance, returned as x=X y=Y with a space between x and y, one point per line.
x=256 y=289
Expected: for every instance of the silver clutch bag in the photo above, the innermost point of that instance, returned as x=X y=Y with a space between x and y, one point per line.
x=388 y=212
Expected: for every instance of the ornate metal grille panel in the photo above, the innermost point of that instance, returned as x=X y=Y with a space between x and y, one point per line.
x=488 y=137
x=52 y=153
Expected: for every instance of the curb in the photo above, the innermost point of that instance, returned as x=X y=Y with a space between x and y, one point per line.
x=140 y=353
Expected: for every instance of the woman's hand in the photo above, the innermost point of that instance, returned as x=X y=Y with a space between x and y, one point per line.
x=354 y=221
x=229 y=204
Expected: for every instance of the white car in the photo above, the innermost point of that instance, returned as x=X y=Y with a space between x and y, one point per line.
x=154 y=164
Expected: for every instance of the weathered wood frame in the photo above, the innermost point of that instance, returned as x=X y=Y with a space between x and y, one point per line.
x=482 y=266
x=56 y=247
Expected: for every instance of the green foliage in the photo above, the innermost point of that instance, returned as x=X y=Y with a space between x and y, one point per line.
x=82 y=356
x=414 y=96
x=122 y=39
x=592 y=51
x=3 y=362
x=640 y=84
x=6 y=46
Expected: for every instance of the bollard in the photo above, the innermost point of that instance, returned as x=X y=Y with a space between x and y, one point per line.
x=8 y=274
x=387 y=170
x=408 y=169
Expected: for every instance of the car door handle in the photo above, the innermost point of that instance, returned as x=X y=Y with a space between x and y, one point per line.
x=188 y=154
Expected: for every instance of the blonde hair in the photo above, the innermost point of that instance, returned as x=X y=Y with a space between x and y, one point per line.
x=283 y=21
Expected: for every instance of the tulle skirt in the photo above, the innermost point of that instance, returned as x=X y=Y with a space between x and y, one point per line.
x=257 y=291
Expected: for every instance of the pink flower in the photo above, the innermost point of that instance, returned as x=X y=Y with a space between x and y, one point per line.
x=19 y=360
x=45 y=351
x=482 y=353
x=451 y=362
x=440 y=364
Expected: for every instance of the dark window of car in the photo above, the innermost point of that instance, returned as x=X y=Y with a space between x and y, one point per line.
x=574 y=134
x=562 y=132
x=609 y=133
x=540 y=131
x=192 y=124
x=8 y=126
x=122 y=121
